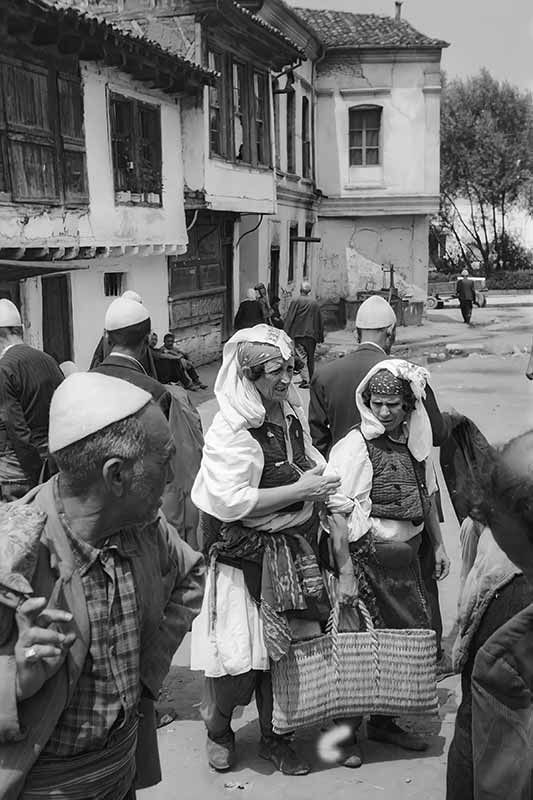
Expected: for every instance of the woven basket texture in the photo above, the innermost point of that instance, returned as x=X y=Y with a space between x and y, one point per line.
x=350 y=674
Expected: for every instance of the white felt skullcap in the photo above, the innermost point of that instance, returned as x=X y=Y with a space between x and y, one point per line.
x=375 y=313
x=123 y=313
x=129 y=294
x=87 y=402
x=9 y=314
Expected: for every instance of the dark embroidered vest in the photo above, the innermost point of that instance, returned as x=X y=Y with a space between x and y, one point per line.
x=277 y=471
x=399 y=483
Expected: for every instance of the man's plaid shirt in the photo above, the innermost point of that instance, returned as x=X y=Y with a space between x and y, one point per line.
x=108 y=690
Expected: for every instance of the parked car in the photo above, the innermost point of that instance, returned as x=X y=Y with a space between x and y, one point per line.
x=441 y=292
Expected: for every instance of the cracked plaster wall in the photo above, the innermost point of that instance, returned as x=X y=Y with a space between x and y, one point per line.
x=398 y=240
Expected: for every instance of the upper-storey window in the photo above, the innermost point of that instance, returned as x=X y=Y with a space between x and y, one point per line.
x=291 y=126
x=306 y=139
x=42 y=141
x=239 y=120
x=136 y=146
x=364 y=145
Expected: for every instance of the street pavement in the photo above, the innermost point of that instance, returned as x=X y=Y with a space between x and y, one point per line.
x=488 y=386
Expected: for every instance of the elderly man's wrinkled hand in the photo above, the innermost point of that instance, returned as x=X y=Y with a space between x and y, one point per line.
x=41 y=647
x=442 y=564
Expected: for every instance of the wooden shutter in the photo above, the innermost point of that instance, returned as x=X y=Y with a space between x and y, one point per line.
x=30 y=132
x=149 y=148
x=70 y=95
x=122 y=142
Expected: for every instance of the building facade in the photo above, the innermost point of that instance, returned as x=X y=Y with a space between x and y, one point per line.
x=377 y=127
x=92 y=172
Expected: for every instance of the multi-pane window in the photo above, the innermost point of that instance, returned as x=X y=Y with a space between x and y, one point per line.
x=291 y=124
x=260 y=114
x=42 y=141
x=136 y=146
x=240 y=120
x=239 y=125
x=364 y=125
x=214 y=61
x=293 y=250
x=306 y=139
x=277 y=129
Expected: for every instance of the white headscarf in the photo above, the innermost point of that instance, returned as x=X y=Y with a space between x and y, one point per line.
x=420 y=439
x=238 y=399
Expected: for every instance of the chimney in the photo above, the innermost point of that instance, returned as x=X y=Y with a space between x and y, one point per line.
x=398 y=4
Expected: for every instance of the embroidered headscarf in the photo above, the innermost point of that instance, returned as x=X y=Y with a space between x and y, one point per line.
x=386 y=384
x=420 y=438
x=238 y=399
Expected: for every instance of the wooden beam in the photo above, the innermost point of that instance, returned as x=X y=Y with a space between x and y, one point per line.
x=45 y=35
x=70 y=45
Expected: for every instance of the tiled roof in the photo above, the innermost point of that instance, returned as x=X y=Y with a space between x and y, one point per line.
x=344 y=29
x=267 y=26
x=121 y=36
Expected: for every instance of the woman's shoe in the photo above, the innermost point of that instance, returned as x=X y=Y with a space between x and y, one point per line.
x=350 y=756
x=278 y=750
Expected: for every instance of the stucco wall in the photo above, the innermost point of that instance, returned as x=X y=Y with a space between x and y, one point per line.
x=104 y=223
x=408 y=93
x=148 y=276
x=398 y=240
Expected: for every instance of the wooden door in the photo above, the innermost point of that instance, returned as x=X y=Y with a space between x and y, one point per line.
x=57 y=317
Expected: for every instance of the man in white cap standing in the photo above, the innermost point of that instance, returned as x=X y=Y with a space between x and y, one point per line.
x=466 y=293
x=128 y=326
x=114 y=590
x=28 y=378
x=103 y=347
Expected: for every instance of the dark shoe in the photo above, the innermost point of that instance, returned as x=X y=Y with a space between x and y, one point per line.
x=221 y=753
x=304 y=385
x=393 y=734
x=278 y=750
x=192 y=387
x=350 y=756
x=200 y=385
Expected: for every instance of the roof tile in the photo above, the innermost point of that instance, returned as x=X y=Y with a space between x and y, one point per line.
x=344 y=29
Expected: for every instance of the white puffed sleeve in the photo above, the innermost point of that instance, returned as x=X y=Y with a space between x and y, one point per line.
x=350 y=461
x=232 y=464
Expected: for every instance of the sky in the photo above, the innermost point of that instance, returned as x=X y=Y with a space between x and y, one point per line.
x=497 y=34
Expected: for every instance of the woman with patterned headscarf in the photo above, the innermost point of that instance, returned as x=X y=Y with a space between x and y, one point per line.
x=384 y=503
x=258 y=483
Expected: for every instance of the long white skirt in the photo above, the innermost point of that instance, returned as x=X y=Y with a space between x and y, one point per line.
x=236 y=645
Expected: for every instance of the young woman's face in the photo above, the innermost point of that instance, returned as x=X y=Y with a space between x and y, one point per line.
x=388 y=409
x=276 y=379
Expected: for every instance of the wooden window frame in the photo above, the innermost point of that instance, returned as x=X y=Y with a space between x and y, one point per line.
x=215 y=60
x=309 y=226
x=135 y=188
x=61 y=134
x=290 y=123
x=307 y=169
x=226 y=62
x=364 y=130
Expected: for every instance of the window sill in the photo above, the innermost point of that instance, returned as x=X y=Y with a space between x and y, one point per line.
x=291 y=176
x=356 y=186
x=240 y=164
x=146 y=199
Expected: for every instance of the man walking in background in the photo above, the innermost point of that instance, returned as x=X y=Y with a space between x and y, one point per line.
x=466 y=293
x=28 y=379
x=304 y=324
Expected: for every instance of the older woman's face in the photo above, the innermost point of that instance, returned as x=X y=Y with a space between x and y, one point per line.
x=388 y=409
x=276 y=379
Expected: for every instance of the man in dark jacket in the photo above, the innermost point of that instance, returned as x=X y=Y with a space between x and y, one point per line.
x=127 y=324
x=466 y=292
x=28 y=379
x=490 y=756
x=304 y=324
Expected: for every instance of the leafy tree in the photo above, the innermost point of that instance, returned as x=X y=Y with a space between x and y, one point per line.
x=486 y=164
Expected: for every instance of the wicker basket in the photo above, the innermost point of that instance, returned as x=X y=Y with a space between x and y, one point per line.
x=349 y=674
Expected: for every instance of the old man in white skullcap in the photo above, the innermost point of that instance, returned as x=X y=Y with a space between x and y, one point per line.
x=28 y=378
x=109 y=595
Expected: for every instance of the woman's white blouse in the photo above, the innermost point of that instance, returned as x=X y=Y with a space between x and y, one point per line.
x=349 y=460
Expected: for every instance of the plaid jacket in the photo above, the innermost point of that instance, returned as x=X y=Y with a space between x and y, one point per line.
x=169 y=580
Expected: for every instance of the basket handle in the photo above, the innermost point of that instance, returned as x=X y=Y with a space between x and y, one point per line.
x=332 y=628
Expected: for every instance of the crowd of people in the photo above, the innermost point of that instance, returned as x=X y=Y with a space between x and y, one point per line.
x=123 y=530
